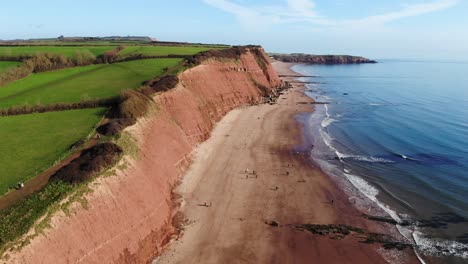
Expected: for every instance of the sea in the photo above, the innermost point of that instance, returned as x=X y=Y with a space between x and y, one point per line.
x=394 y=135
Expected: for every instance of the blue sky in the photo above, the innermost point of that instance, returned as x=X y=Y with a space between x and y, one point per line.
x=416 y=29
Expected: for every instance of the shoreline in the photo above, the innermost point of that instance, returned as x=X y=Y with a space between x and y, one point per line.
x=226 y=209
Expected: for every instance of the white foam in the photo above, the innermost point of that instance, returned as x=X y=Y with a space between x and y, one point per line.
x=422 y=243
x=327 y=139
x=406 y=157
x=440 y=247
x=328 y=121
x=371 y=193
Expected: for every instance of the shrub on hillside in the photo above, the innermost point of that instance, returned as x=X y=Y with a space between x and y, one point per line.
x=115 y=126
x=89 y=163
x=160 y=85
x=133 y=104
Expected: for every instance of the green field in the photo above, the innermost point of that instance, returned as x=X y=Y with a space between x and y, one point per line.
x=161 y=50
x=75 y=84
x=32 y=143
x=18 y=51
x=5 y=65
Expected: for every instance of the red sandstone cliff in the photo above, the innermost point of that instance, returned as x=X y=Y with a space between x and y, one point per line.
x=130 y=215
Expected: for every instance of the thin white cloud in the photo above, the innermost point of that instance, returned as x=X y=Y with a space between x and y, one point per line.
x=249 y=17
x=306 y=11
x=409 y=11
x=302 y=7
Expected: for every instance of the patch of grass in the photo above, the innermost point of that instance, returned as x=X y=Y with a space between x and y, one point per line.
x=28 y=51
x=82 y=83
x=128 y=144
x=5 y=65
x=17 y=220
x=161 y=50
x=32 y=143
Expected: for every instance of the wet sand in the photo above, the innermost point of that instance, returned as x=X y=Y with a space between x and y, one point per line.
x=225 y=206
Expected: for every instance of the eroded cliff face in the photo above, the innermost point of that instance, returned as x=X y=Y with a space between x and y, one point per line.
x=130 y=216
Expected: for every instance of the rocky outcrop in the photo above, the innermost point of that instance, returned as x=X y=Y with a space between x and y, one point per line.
x=129 y=216
x=321 y=59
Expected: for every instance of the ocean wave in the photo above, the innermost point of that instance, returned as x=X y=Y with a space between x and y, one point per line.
x=371 y=193
x=329 y=119
x=422 y=244
x=370 y=159
x=405 y=157
x=342 y=156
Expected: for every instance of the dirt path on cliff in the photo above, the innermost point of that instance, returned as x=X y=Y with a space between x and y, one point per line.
x=286 y=188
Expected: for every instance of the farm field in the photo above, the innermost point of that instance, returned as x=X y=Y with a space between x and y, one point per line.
x=75 y=84
x=161 y=50
x=32 y=143
x=5 y=65
x=22 y=51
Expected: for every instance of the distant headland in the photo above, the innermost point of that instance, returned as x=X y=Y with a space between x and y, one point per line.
x=320 y=59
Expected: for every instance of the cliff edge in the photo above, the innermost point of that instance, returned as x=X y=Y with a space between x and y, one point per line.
x=129 y=216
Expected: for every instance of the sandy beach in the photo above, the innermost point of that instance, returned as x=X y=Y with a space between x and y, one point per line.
x=226 y=205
